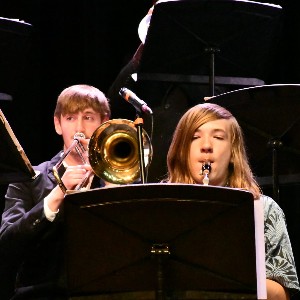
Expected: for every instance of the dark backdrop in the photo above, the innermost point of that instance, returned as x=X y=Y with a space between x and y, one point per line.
x=90 y=41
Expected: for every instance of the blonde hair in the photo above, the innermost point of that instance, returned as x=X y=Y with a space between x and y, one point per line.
x=240 y=174
x=80 y=97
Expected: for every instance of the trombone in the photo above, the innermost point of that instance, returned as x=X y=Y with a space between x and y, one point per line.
x=113 y=153
x=80 y=151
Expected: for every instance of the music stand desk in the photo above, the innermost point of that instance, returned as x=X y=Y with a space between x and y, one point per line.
x=154 y=241
x=194 y=41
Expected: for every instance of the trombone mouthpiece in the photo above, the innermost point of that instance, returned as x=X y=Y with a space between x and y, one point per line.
x=78 y=135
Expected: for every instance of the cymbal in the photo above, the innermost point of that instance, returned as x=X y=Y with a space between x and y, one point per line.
x=269 y=116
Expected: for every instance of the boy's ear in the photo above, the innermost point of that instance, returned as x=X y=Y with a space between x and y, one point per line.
x=57 y=126
x=105 y=119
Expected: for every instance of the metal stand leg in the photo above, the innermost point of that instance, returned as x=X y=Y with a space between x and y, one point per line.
x=161 y=253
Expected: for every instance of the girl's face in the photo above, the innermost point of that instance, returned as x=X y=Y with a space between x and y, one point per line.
x=211 y=142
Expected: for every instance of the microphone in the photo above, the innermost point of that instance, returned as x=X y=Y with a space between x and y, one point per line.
x=140 y=105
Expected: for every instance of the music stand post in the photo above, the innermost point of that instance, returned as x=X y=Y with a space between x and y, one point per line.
x=139 y=126
x=160 y=253
x=212 y=52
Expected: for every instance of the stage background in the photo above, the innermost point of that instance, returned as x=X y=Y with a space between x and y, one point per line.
x=90 y=41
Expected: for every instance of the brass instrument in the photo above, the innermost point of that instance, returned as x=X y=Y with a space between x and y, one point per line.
x=112 y=152
x=79 y=149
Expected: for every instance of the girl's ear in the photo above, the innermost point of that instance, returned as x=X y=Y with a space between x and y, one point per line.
x=231 y=158
x=57 y=126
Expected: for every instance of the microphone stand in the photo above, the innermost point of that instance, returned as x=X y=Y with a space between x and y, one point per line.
x=139 y=122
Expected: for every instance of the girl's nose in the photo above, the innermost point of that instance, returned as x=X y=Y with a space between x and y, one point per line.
x=206 y=146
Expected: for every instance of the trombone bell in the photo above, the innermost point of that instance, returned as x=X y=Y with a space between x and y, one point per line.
x=113 y=151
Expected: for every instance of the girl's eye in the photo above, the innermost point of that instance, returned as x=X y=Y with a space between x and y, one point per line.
x=219 y=137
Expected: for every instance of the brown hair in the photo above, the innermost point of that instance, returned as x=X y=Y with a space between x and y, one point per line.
x=79 y=97
x=240 y=174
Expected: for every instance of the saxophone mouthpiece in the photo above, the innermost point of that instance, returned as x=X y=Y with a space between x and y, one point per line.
x=206 y=169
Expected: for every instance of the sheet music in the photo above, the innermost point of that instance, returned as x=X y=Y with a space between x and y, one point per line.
x=260 y=249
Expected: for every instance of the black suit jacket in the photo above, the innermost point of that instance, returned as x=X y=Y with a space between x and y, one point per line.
x=31 y=247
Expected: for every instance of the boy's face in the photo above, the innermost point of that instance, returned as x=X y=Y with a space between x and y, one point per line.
x=86 y=121
x=211 y=142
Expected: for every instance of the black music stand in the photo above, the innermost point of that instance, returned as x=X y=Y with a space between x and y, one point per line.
x=14 y=46
x=191 y=41
x=269 y=117
x=14 y=164
x=160 y=241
